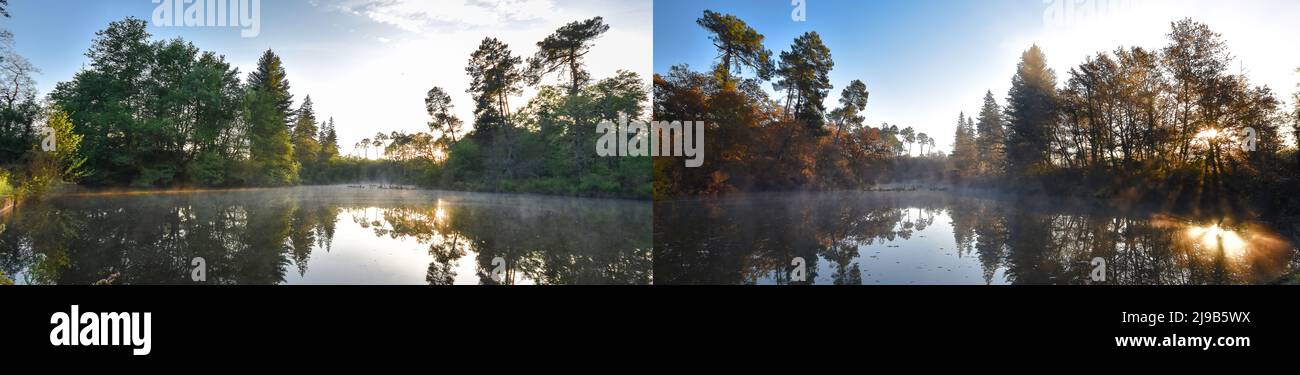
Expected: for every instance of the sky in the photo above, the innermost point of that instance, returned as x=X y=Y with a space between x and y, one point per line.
x=366 y=63
x=926 y=61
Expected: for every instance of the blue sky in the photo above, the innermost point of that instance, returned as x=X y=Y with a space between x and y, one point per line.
x=925 y=61
x=367 y=63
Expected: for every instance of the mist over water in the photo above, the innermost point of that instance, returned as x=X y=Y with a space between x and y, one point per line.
x=930 y=237
x=328 y=235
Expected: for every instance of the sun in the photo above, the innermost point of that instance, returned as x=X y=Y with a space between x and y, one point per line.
x=1208 y=134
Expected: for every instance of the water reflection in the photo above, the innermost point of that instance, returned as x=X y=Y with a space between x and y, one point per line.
x=941 y=238
x=328 y=235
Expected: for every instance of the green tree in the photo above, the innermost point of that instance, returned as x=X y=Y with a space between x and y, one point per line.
x=564 y=50
x=49 y=168
x=154 y=113
x=990 y=138
x=107 y=103
x=909 y=137
x=494 y=77
x=306 y=147
x=738 y=45
x=217 y=140
x=1030 y=112
x=853 y=102
x=329 y=142
x=964 y=156
x=268 y=113
x=67 y=145
x=271 y=77
x=805 y=74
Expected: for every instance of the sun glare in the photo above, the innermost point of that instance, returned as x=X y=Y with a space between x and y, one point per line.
x=1215 y=237
x=1207 y=134
x=439 y=214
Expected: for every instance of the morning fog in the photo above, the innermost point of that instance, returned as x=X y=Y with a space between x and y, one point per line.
x=670 y=138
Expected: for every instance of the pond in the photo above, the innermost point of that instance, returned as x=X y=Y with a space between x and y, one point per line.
x=327 y=235
x=932 y=237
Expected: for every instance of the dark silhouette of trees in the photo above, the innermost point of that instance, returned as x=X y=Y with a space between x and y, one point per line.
x=1031 y=113
x=494 y=77
x=439 y=106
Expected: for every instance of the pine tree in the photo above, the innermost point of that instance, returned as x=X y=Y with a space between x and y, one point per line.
x=963 y=147
x=738 y=45
x=329 y=142
x=306 y=149
x=853 y=102
x=909 y=137
x=494 y=77
x=990 y=139
x=805 y=74
x=438 y=104
x=1030 y=112
x=563 y=52
x=271 y=77
x=269 y=111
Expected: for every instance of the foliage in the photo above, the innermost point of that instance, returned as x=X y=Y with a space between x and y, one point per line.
x=804 y=74
x=739 y=46
x=563 y=52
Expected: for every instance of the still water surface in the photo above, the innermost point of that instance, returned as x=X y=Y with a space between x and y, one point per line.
x=930 y=237
x=328 y=235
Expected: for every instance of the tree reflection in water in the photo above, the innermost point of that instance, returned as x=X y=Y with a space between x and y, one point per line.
x=941 y=238
x=257 y=237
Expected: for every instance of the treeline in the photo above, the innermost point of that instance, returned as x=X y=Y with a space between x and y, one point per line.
x=1173 y=123
x=165 y=113
x=755 y=142
x=548 y=146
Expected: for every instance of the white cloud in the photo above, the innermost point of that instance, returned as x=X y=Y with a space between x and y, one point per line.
x=421 y=15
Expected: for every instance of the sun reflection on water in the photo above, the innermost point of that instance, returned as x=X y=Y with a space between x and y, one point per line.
x=1215 y=238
